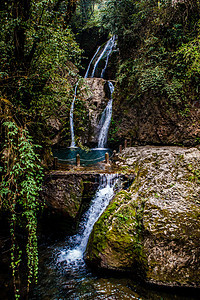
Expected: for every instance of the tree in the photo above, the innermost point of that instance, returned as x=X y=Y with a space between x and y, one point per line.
x=38 y=67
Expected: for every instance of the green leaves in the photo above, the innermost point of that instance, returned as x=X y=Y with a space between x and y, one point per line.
x=20 y=187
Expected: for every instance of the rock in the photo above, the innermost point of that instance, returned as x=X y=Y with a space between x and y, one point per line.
x=65 y=197
x=153 y=228
x=153 y=121
x=96 y=100
x=64 y=194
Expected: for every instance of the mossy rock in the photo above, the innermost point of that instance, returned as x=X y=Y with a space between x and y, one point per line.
x=153 y=229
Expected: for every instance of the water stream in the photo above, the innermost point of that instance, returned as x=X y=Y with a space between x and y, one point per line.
x=73 y=145
x=74 y=252
x=63 y=274
x=106 y=52
x=88 y=69
x=105 y=120
x=107 y=113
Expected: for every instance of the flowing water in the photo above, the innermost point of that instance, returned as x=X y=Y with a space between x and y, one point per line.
x=106 y=52
x=74 y=252
x=72 y=119
x=88 y=69
x=105 y=120
x=112 y=43
x=107 y=113
x=64 y=274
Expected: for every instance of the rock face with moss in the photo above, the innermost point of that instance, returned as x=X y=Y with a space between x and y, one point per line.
x=153 y=121
x=153 y=228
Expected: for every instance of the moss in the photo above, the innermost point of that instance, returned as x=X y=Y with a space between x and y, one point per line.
x=120 y=228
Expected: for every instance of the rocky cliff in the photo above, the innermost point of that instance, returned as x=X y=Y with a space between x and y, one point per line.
x=153 y=228
x=154 y=121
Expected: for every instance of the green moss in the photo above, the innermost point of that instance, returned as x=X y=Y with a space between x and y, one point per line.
x=120 y=228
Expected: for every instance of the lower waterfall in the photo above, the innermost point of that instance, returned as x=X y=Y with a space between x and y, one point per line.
x=64 y=274
x=76 y=245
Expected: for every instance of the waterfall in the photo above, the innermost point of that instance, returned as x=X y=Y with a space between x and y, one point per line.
x=73 y=255
x=107 y=50
x=107 y=113
x=73 y=145
x=104 y=123
x=87 y=72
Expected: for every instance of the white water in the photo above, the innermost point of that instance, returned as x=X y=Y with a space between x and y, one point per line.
x=108 y=54
x=87 y=72
x=107 y=113
x=77 y=244
x=107 y=50
x=73 y=145
x=104 y=123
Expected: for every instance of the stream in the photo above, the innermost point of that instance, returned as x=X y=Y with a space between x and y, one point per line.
x=63 y=273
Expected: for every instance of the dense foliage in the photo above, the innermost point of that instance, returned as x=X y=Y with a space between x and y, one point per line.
x=19 y=191
x=158 y=44
x=38 y=71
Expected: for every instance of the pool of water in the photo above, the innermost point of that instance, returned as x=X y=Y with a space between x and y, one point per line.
x=87 y=157
x=58 y=280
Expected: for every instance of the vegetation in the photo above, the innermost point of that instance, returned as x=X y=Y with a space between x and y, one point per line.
x=159 y=44
x=19 y=190
x=38 y=70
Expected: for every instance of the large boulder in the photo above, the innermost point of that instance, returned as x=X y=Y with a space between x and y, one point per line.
x=153 y=228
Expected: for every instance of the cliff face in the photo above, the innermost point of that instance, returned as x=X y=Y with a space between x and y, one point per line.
x=154 y=121
x=95 y=98
x=152 y=229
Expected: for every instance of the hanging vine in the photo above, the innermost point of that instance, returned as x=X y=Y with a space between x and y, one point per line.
x=19 y=190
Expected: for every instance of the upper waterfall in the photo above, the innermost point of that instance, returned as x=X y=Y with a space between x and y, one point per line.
x=106 y=51
x=88 y=69
x=102 y=53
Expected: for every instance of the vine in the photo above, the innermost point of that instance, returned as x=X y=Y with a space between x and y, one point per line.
x=19 y=190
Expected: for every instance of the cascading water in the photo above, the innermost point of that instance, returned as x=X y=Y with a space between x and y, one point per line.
x=74 y=253
x=73 y=145
x=112 y=42
x=105 y=120
x=71 y=259
x=88 y=69
x=106 y=51
x=107 y=113
x=104 y=123
x=68 y=277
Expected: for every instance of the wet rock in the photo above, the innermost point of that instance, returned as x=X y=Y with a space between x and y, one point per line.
x=153 y=228
x=65 y=197
x=96 y=100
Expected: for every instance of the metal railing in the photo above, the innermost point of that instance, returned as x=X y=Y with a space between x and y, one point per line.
x=78 y=160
